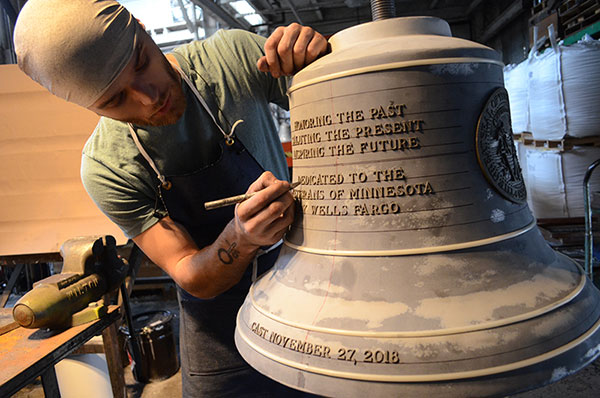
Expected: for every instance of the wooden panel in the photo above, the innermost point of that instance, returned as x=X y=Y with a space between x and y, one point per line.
x=42 y=200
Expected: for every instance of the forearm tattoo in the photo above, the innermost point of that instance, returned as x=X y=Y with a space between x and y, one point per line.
x=228 y=255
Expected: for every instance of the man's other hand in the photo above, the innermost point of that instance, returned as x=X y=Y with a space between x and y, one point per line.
x=290 y=49
x=263 y=219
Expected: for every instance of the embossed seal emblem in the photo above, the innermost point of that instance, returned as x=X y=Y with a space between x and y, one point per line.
x=496 y=151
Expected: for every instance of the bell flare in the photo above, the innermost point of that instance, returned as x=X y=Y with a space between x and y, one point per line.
x=482 y=321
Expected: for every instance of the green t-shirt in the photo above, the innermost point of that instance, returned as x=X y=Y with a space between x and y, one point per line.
x=223 y=69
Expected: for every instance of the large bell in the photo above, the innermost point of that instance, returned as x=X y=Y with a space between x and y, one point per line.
x=414 y=266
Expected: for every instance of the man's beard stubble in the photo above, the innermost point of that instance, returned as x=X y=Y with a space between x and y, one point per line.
x=178 y=102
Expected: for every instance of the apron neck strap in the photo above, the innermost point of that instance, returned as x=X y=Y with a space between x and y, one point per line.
x=228 y=137
x=163 y=181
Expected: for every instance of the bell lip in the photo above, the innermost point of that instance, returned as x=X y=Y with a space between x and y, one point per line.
x=241 y=336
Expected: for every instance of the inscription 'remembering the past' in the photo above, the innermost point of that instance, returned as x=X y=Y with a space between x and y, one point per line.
x=375 y=113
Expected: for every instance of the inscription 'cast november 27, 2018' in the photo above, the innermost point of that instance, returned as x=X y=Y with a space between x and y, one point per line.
x=346 y=354
x=324 y=135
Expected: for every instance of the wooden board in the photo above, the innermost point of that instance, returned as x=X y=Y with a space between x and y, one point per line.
x=7 y=322
x=41 y=139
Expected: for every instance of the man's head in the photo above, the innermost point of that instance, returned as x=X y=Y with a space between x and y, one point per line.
x=94 y=53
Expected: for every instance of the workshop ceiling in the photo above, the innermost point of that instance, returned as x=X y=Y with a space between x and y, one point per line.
x=173 y=22
x=330 y=16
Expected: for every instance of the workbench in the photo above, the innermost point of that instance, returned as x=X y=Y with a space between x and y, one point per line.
x=26 y=354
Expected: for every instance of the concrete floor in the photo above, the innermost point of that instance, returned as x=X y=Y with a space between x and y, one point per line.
x=584 y=384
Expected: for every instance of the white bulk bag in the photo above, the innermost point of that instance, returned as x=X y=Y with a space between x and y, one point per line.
x=515 y=82
x=581 y=86
x=554 y=180
x=563 y=90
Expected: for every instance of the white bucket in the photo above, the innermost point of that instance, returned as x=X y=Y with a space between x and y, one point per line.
x=84 y=375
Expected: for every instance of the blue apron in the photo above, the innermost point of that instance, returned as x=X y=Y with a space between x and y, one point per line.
x=211 y=364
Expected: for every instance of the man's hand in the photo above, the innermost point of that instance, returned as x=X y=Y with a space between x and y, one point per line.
x=290 y=49
x=263 y=219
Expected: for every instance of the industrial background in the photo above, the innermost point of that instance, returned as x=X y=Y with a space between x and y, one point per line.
x=37 y=218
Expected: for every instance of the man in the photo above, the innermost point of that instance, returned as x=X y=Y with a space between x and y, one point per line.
x=176 y=132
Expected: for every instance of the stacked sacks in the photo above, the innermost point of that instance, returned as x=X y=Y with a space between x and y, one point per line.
x=561 y=87
x=554 y=180
x=563 y=91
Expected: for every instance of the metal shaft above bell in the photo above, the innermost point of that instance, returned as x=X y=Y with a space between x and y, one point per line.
x=414 y=266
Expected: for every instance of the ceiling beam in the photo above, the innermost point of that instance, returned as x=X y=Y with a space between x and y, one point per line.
x=473 y=6
x=265 y=5
x=294 y=11
x=505 y=18
x=449 y=14
x=318 y=10
x=10 y=10
x=220 y=13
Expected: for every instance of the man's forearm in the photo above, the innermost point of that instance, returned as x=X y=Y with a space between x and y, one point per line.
x=214 y=269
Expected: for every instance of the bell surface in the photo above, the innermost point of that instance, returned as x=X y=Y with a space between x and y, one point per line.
x=414 y=266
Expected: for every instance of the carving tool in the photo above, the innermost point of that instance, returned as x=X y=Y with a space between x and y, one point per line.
x=215 y=204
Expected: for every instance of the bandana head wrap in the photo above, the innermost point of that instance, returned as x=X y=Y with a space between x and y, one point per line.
x=75 y=48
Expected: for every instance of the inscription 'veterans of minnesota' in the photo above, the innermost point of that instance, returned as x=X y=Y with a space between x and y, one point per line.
x=370 y=192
